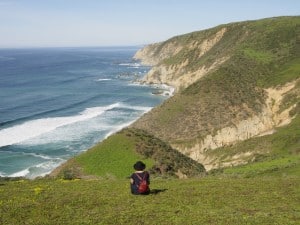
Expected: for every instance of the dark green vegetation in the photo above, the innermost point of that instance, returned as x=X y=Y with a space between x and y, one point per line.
x=190 y=201
x=266 y=190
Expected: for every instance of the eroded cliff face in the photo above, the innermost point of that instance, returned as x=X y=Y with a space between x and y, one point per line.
x=153 y=54
x=178 y=75
x=173 y=75
x=262 y=124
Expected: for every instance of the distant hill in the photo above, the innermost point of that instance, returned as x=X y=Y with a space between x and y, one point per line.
x=233 y=82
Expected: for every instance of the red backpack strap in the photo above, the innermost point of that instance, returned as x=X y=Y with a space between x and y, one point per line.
x=140 y=176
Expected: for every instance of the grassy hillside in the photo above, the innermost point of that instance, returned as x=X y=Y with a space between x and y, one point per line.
x=115 y=156
x=277 y=153
x=190 y=201
x=262 y=54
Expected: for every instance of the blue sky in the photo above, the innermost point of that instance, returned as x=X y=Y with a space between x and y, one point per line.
x=64 y=23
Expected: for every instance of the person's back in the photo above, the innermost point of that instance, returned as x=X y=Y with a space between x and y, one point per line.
x=140 y=179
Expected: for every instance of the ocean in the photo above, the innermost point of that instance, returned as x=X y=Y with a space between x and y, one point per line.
x=57 y=102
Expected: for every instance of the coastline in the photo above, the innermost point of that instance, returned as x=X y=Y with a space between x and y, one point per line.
x=130 y=104
x=161 y=90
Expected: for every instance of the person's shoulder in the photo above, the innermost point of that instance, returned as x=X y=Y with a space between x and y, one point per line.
x=146 y=173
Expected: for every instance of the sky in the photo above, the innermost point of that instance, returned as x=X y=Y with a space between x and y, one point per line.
x=79 y=23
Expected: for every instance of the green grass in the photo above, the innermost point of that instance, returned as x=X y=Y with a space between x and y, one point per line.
x=112 y=158
x=263 y=57
x=289 y=165
x=192 y=201
x=263 y=192
x=287 y=72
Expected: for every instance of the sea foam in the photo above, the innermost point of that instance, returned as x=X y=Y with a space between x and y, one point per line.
x=40 y=169
x=34 y=128
x=131 y=65
x=117 y=110
x=103 y=79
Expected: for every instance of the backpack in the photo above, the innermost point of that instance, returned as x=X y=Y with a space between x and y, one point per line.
x=143 y=187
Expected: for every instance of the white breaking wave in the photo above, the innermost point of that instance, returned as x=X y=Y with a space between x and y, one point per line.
x=34 y=128
x=131 y=65
x=103 y=79
x=40 y=156
x=21 y=173
x=108 y=120
x=138 y=108
x=41 y=169
x=117 y=128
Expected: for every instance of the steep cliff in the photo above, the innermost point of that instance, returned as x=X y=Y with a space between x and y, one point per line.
x=233 y=82
x=173 y=59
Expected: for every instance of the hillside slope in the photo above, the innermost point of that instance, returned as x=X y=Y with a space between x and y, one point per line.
x=173 y=201
x=114 y=158
x=233 y=82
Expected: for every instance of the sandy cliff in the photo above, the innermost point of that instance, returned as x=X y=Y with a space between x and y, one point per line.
x=262 y=124
x=178 y=75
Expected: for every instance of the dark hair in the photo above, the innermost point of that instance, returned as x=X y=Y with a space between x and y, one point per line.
x=139 y=165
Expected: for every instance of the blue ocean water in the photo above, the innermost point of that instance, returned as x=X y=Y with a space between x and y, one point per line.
x=58 y=102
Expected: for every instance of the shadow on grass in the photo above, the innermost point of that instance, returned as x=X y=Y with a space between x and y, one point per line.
x=156 y=191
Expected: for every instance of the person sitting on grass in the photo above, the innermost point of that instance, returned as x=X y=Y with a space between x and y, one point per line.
x=140 y=179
